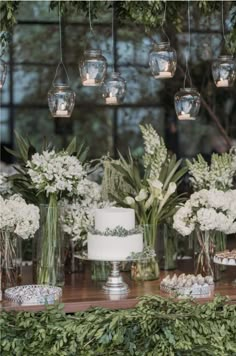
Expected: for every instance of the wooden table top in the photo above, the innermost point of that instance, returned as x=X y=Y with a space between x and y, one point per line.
x=81 y=293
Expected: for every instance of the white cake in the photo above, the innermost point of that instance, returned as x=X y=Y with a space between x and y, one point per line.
x=109 y=247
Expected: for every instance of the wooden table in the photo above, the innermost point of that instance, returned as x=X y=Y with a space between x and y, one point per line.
x=81 y=293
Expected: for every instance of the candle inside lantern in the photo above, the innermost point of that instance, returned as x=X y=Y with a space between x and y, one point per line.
x=163 y=75
x=222 y=83
x=111 y=99
x=184 y=116
x=89 y=81
x=61 y=110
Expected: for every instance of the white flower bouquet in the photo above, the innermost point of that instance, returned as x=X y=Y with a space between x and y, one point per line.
x=207 y=213
x=18 y=220
x=46 y=178
x=80 y=213
x=153 y=195
x=208 y=210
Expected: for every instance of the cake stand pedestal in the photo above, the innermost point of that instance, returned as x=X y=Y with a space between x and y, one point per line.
x=114 y=283
x=215 y=260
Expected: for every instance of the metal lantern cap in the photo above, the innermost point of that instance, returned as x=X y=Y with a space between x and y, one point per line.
x=161 y=45
x=93 y=52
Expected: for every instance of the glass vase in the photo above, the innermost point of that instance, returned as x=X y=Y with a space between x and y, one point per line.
x=148 y=268
x=168 y=248
x=100 y=270
x=50 y=245
x=204 y=252
x=10 y=259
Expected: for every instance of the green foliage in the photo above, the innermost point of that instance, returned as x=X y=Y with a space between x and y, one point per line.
x=145 y=13
x=157 y=326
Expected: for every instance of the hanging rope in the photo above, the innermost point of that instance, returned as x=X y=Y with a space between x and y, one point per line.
x=163 y=22
x=90 y=19
x=187 y=72
x=113 y=42
x=60 y=47
x=222 y=20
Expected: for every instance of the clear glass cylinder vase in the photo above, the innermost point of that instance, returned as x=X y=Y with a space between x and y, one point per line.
x=147 y=269
x=10 y=259
x=50 y=245
x=204 y=251
x=167 y=249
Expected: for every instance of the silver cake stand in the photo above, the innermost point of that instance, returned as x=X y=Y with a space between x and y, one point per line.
x=115 y=283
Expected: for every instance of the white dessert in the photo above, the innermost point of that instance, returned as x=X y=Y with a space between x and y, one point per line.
x=188 y=285
x=109 y=246
x=226 y=257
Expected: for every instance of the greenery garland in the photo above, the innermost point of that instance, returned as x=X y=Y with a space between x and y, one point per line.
x=146 y=13
x=156 y=327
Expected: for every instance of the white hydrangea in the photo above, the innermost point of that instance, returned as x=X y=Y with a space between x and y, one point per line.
x=209 y=210
x=155 y=150
x=56 y=172
x=18 y=217
x=79 y=215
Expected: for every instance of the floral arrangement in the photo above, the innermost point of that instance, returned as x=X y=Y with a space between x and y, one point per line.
x=56 y=173
x=19 y=217
x=218 y=175
x=208 y=210
x=153 y=195
x=80 y=213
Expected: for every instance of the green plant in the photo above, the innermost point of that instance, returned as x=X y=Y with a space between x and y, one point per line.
x=156 y=327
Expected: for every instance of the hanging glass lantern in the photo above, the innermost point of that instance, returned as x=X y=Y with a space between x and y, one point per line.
x=93 y=68
x=162 y=61
x=114 y=89
x=61 y=100
x=3 y=72
x=187 y=104
x=224 y=71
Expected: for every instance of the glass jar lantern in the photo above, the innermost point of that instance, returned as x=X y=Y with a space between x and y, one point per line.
x=3 y=72
x=93 y=68
x=224 y=71
x=162 y=61
x=114 y=89
x=61 y=100
x=187 y=104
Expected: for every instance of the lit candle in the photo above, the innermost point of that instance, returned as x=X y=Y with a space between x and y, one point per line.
x=61 y=110
x=163 y=75
x=222 y=83
x=111 y=100
x=89 y=81
x=184 y=116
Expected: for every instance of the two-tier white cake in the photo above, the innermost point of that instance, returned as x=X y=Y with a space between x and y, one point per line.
x=115 y=236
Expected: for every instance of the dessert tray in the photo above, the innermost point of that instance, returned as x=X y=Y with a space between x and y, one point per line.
x=188 y=285
x=33 y=294
x=227 y=258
